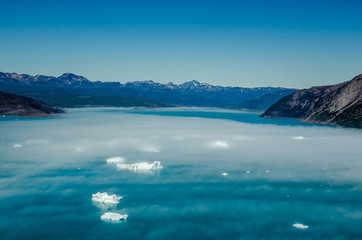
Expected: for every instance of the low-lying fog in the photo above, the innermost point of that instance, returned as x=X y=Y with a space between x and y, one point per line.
x=273 y=175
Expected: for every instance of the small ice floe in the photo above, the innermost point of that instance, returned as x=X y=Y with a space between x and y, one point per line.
x=300 y=226
x=219 y=144
x=17 y=145
x=267 y=171
x=115 y=160
x=110 y=216
x=142 y=166
x=105 y=198
x=224 y=174
x=247 y=172
x=298 y=138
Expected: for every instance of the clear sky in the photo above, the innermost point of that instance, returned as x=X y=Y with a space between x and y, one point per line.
x=290 y=43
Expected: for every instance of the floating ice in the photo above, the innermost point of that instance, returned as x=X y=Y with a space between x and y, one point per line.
x=219 y=144
x=224 y=174
x=142 y=166
x=300 y=226
x=17 y=145
x=247 y=171
x=110 y=216
x=105 y=198
x=298 y=137
x=115 y=160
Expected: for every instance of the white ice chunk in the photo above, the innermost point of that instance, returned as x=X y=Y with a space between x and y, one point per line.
x=17 y=145
x=219 y=144
x=300 y=226
x=105 y=198
x=110 y=216
x=115 y=160
x=298 y=138
x=224 y=174
x=141 y=166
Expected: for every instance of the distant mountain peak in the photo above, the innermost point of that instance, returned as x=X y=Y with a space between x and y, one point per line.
x=148 y=81
x=194 y=83
x=73 y=77
x=16 y=76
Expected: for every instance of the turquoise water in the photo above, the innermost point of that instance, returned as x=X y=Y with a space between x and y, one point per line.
x=279 y=173
x=245 y=117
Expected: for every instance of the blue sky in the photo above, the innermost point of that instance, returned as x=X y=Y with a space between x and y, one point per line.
x=238 y=43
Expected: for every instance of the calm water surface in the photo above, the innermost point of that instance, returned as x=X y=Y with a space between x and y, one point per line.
x=280 y=172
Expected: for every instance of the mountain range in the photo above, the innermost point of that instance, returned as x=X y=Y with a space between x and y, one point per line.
x=339 y=104
x=69 y=90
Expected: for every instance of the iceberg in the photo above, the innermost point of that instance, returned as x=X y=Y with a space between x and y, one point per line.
x=300 y=226
x=105 y=198
x=142 y=166
x=224 y=173
x=115 y=160
x=110 y=216
x=219 y=144
x=298 y=138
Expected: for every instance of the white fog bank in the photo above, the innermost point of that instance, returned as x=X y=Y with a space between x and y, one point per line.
x=259 y=150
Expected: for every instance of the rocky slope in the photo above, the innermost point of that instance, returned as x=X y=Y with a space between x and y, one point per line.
x=15 y=105
x=192 y=93
x=339 y=104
